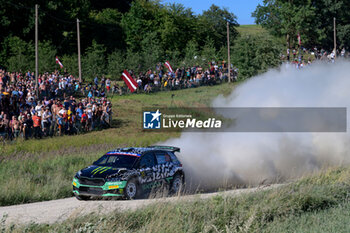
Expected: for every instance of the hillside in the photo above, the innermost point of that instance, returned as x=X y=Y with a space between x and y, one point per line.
x=251 y=29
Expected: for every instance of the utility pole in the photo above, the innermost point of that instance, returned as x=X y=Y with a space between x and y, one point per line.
x=335 y=38
x=36 y=51
x=228 y=52
x=79 y=62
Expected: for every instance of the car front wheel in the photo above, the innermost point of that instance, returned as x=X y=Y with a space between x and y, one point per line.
x=131 y=189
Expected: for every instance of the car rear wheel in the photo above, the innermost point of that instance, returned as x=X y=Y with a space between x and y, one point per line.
x=177 y=184
x=131 y=189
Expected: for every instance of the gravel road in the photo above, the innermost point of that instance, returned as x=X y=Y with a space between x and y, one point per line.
x=62 y=209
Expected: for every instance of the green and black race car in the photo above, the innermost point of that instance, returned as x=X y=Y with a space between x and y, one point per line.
x=130 y=173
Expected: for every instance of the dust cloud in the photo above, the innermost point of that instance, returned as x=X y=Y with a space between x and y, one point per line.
x=216 y=160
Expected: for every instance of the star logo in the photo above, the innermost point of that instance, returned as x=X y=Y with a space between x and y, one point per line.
x=156 y=115
x=151 y=120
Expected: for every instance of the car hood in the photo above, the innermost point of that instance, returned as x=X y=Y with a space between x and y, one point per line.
x=94 y=171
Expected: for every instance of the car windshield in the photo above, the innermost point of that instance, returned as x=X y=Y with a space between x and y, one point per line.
x=120 y=161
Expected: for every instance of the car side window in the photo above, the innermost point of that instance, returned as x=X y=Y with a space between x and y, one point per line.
x=162 y=157
x=173 y=157
x=147 y=160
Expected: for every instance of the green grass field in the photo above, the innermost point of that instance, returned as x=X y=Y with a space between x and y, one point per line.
x=317 y=203
x=252 y=29
x=38 y=170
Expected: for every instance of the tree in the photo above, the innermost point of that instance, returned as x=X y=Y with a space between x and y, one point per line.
x=142 y=18
x=94 y=62
x=70 y=63
x=288 y=18
x=116 y=64
x=47 y=54
x=255 y=54
x=133 y=61
x=152 y=52
x=313 y=19
x=17 y=54
x=192 y=55
x=209 y=52
x=178 y=26
x=108 y=22
x=213 y=23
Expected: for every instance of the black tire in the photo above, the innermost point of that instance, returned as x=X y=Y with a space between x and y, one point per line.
x=132 y=189
x=82 y=198
x=177 y=184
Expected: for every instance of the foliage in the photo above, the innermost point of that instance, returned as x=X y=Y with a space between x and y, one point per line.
x=215 y=20
x=192 y=53
x=19 y=54
x=151 y=51
x=70 y=63
x=114 y=35
x=45 y=50
x=94 y=62
x=313 y=19
x=254 y=54
x=209 y=53
x=115 y=64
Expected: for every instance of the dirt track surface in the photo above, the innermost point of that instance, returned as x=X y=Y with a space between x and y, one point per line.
x=62 y=209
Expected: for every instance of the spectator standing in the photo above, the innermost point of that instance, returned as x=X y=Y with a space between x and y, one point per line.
x=108 y=85
x=27 y=127
x=46 y=121
x=37 y=125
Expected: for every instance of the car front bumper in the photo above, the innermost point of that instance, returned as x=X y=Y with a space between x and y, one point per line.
x=109 y=189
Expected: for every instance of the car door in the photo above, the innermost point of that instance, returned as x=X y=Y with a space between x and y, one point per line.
x=146 y=165
x=164 y=166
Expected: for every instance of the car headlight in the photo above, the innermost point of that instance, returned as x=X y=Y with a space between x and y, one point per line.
x=77 y=175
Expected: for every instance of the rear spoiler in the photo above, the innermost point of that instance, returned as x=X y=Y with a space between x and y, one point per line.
x=171 y=148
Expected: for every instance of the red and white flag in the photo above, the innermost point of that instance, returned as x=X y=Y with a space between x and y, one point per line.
x=167 y=64
x=58 y=62
x=299 y=39
x=130 y=82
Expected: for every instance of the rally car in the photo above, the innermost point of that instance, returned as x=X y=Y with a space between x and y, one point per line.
x=130 y=173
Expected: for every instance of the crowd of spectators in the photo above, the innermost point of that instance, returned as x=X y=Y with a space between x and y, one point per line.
x=50 y=109
x=183 y=77
x=59 y=104
x=302 y=57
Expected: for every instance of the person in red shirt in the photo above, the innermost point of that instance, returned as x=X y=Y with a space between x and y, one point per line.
x=37 y=125
x=84 y=118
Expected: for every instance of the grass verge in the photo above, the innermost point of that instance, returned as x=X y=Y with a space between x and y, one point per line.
x=296 y=207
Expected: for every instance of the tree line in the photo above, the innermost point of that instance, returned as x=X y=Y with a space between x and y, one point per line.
x=126 y=34
x=313 y=19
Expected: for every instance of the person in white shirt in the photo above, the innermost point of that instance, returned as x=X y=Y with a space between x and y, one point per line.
x=38 y=108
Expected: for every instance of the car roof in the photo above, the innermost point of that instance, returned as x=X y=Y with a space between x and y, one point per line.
x=138 y=151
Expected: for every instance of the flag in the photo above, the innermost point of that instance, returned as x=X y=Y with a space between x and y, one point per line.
x=130 y=82
x=167 y=64
x=299 y=39
x=58 y=62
